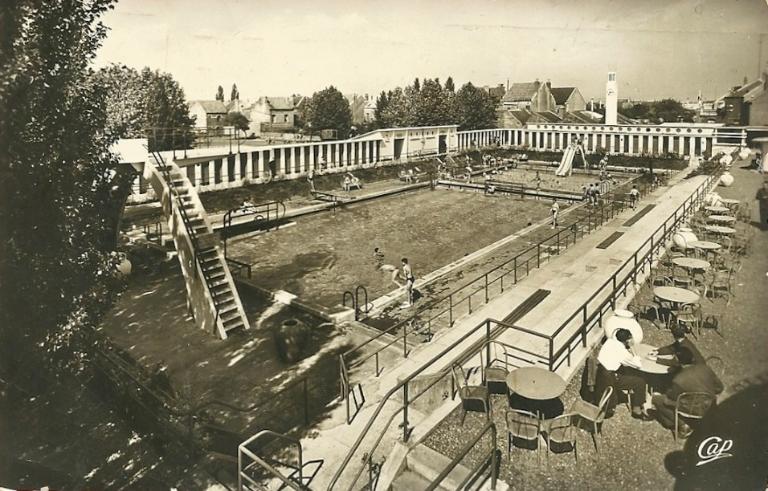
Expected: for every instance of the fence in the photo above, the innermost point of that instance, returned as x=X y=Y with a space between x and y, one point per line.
x=481 y=289
x=559 y=351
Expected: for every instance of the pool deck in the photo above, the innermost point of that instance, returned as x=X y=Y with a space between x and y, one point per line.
x=571 y=277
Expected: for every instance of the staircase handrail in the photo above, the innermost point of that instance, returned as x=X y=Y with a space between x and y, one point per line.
x=165 y=169
x=243 y=449
x=470 y=445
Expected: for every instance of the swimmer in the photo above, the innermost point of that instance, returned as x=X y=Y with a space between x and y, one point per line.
x=407 y=274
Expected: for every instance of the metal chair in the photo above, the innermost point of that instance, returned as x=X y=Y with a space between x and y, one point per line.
x=522 y=425
x=470 y=393
x=561 y=432
x=593 y=414
x=692 y=405
x=721 y=283
x=494 y=369
x=689 y=317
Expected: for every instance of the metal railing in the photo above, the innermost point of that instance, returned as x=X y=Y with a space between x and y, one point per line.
x=491 y=328
x=267 y=464
x=262 y=213
x=617 y=285
x=354 y=299
x=621 y=278
x=511 y=271
x=174 y=196
x=489 y=458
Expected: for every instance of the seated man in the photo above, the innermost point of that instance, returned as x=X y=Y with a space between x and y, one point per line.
x=619 y=370
x=354 y=182
x=346 y=183
x=690 y=378
x=681 y=343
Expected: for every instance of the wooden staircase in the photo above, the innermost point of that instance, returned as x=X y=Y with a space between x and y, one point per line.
x=211 y=293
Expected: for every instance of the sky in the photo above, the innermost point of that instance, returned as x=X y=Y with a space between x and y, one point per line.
x=659 y=48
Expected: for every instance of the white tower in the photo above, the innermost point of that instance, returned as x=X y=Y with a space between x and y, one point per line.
x=611 y=99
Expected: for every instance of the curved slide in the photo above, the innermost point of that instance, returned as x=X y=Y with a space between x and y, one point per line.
x=566 y=163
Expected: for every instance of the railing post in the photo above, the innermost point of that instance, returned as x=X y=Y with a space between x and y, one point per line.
x=306 y=406
x=405 y=340
x=538 y=255
x=450 y=309
x=558 y=243
x=486 y=287
x=613 y=293
x=405 y=412
x=514 y=260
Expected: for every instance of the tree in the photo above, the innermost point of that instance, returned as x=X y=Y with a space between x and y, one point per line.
x=474 y=108
x=429 y=106
x=381 y=105
x=147 y=104
x=238 y=120
x=396 y=112
x=670 y=110
x=220 y=94
x=329 y=109
x=58 y=185
x=449 y=85
x=235 y=94
x=416 y=85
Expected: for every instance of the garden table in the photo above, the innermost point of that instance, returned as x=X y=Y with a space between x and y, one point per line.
x=717 y=209
x=675 y=295
x=721 y=218
x=647 y=364
x=691 y=263
x=536 y=389
x=720 y=229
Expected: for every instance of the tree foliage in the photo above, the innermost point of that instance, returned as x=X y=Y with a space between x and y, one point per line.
x=235 y=94
x=59 y=185
x=147 y=104
x=238 y=120
x=665 y=110
x=428 y=103
x=329 y=110
x=220 y=94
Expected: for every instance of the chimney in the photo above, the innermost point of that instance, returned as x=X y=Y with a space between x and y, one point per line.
x=507 y=84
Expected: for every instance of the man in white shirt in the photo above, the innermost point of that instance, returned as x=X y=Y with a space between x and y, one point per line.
x=619 y=370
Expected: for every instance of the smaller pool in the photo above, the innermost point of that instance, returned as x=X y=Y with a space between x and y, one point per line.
x=549 y=180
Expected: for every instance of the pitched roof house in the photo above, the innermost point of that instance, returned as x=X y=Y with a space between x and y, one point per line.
x=568 y=99
x=208 y=114
x=535 y=96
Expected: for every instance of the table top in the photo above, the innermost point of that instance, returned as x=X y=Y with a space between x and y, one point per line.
x=705 y=244
x=691 y=263
x=719 y=229
x=675 y=294
x=646 y=364
x=716 y=209
x=730 y=201
x=721 y=218
x=536 y=383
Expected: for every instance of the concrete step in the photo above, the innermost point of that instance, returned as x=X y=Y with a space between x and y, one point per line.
x=410 y=481
x=429 y=464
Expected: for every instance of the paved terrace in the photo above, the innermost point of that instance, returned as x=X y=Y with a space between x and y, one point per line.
x=571 y=278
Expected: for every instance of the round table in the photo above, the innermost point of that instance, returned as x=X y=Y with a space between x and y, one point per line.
x=730 y=201
x=675 y=295
x=535 y=383
x=648 y=365
x=691 y=263
x=717 y=209
x=706 y=245
x=719 y=229
x=721 y=218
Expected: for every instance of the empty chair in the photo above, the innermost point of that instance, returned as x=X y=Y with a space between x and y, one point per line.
x=721 y=284
x=559 y=433
x=473 y=397
x=495 y=369
x=590 y=413
x=522 y=425
x=689 y=317
x=692 y=405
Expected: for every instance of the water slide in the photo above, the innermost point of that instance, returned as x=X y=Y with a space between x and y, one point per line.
x=566 y=164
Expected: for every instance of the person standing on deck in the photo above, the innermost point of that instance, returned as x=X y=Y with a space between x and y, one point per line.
x=555 y=211
x=407 y=274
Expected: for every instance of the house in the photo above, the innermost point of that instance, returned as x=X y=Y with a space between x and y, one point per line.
x=534 y=96
x=568 y=99
x=209 y=115
x=746 y=104
x=272 y=114
x=518 y=118
x=369 y=111
x=496 y=92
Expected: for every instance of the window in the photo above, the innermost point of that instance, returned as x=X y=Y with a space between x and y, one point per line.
x=285 y=118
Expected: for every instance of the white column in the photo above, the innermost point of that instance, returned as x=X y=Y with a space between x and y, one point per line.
x=659 y=144
x=248 y=166
x=225 y=171
x=692 y=145
x=681 y=146
x=631 y=143
x=612 y=149
x=703 y=144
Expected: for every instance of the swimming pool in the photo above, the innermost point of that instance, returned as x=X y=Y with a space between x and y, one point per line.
x=549 y=180
x=321 y=256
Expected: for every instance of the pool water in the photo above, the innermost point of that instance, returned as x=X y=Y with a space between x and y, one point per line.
x=549 y=180
x=323 y=255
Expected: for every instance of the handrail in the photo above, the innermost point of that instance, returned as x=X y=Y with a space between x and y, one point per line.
x=243 y=449
x=558 y=239
x=667 y=229
x=406 y=401
x=262 y=211
x=492 y=455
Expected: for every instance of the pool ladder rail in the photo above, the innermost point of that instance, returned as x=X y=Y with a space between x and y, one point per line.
x=355 y=300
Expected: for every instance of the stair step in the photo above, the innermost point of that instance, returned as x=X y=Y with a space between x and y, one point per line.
x=229 y=314
x=238 y=325
x=410 y=481
x=430 y=463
